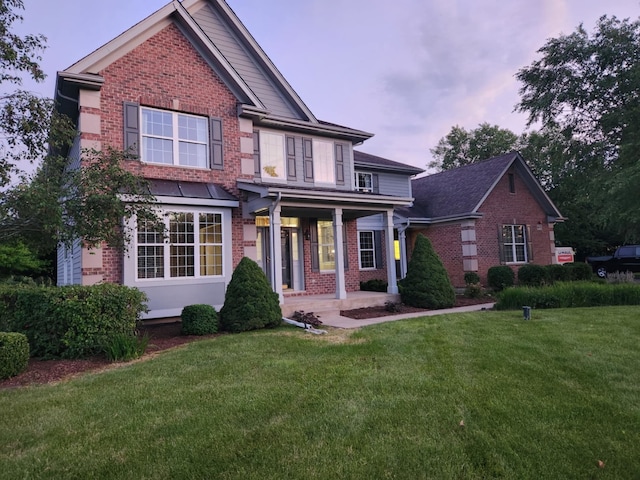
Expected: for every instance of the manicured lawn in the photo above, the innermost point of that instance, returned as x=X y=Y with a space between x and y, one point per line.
x=547 y=398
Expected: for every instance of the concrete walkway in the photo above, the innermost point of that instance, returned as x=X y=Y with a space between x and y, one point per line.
x=336 y=320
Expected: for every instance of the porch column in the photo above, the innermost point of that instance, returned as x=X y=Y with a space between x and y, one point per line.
x=338 y=245
x=402 y=238
x=391 y=258
x=276 y=250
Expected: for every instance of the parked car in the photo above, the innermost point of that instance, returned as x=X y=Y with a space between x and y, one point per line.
x=625 y=259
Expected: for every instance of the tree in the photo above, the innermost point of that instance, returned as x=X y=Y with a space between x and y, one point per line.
x=24 y=117
x=462 y=147
x=427 y=283
x=588 y=87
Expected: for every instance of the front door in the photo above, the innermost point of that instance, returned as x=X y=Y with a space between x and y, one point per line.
x=285 y=235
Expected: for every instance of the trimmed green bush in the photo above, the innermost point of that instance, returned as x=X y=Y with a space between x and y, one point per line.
x=569 y=295
x=532 y=275
x=73 y=321
x=579 y=271
x=500 y=277
x=427 y=284
x=375 y=285
x=199 y=319
x=471 y=278
x=249 y=301
x=14 y=354
x=557 y=273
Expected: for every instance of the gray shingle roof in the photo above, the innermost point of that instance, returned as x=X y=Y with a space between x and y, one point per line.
x=457 y=191
x=361 y=159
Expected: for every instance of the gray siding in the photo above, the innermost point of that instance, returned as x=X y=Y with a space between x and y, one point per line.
x=398 y=185
x=229 y=45
x=69 y=265
x=172 y=298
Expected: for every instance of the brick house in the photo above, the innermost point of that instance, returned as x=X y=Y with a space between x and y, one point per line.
x=481 y=215
x=238 y=163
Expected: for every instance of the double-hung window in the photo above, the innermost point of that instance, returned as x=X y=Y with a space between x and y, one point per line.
x=324 y=165
x=514 y=243
x=272 y=159
x=366 y=247
x=189 y=246
x=326 y=246
x=173 y=138
x=364 y=182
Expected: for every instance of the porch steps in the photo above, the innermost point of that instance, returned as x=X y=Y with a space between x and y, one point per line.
x=329 y=305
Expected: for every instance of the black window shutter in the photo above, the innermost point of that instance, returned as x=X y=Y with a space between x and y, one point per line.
x=375 y=183
x=344 y=246
x=339 y=164
x=377 y=247
x=215 y=134
x=529 y=244
x=500 y=245
x=256 y=153
x=131 y=127
x=307 y=151
x=291 y=158
x=315 y=258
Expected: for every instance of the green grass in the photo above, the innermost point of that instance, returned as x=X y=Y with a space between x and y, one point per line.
x=546 y=398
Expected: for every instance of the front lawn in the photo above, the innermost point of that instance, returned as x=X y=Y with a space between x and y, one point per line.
x=476 y=395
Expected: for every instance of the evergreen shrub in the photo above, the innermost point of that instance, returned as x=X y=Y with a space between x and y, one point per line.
x=199 y=319
x=532 y=275
x=249 y=301
x=579 y=271
x=427 y=284
x=14 y=354
x=500 y=277
x=374 y=285
x=471 y=278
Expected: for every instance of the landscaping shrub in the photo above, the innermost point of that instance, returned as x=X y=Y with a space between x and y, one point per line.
x=72 y=321
x=375 y=285
x=427 y=284
x=200 y=319
x=14 y=354
x=558 y=273
x=471 y=278
x=532 y=275
x=473 y=290
x=500 y=277
x=306 y=317
x=249 y=302
x=579 y=271
x=569 y=295
x=123 y=347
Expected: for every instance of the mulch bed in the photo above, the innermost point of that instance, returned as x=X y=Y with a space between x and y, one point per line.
x=162 y=337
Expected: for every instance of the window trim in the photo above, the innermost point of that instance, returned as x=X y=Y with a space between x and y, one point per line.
x=372 y=250
x=263 y=137
x=357 y=182
x=513 y=257
x=167 y=250
x=175 y=138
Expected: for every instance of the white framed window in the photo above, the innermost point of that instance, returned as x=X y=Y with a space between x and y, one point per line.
x=272 y=157
x=366 y=249
x=514 y=243
x=192 y=246
x=364 y=182
x=173 y=138
x=326 y=246
x=324 y=166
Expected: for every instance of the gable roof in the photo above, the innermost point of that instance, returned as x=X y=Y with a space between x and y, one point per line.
x=460 y=192
x=366 y=160
x=224 y=42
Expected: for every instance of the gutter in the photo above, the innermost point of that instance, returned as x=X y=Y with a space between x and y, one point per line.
x=306 y=326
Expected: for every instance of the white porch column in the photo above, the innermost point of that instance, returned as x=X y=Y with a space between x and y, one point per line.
x=276 y=250
x=402 y=238
x=391 y=258
x=338 y=245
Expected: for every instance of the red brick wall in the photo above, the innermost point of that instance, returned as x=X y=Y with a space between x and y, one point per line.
x=500 y=208
x=161 y=72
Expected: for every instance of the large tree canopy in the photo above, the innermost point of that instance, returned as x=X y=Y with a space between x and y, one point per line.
x=461 y=147
x=588 y=86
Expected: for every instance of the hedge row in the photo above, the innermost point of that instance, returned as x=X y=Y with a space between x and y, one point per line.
x=569 y=294
x=72 y=321
x=14 y=354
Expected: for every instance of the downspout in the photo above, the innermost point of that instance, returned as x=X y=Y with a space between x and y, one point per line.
x=403 y=248
x=273 y=247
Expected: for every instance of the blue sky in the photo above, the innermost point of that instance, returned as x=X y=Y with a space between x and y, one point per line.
x=406 y=70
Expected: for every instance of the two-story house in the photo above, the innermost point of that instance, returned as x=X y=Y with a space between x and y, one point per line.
x=238 y=163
